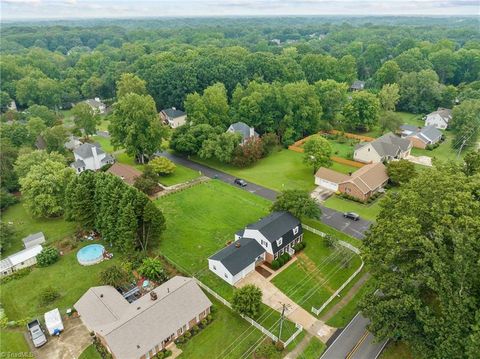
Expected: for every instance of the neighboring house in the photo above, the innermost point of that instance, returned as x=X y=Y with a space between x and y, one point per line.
x=329 y=179
x=40 y=143
x=384 y=148
x=23 y=259
x=98 y=106
x=127 y=173
x=173 y=117
x=33 y=239
x=425 y=136
x=365 y=182
x=407 y=130
x=439 y=118
x=264 y=240
x=90 y=157
x=72 y=143
x=243 y=130
x=361 y=184
x=357 y=86
x=140 y=329
x=12 y=106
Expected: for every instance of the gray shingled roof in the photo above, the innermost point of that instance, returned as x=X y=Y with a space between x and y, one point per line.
x=430 y=133
x=85 y=150
x=358 y=85
x=32 y=238
x=276 y=225
x=94 y=103
x=78 y=164
x=243 y=129
x=238 y=255
x=173 y=113
x=388 y=145
x=444 y=113
x=409 y=128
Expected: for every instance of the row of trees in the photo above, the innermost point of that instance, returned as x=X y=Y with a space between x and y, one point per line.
x=125 y=217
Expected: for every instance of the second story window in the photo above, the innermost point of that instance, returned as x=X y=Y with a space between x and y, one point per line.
x=279 y=241
x=295 y=230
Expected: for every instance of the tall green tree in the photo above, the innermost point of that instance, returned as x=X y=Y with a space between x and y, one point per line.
x=136 y=127
x=55 y=138
x=423 y=253
x=466 y=123
x=85 y=118
x=472 y=163
x=297 y=202
x=152 y=224
x=211 y=108
x=247 y=300
x=80 y=199
x=333 y=97
x=361 y=113
x=389 y=96
x=27 y=160
x=317 y=152
x=221 y=147
x=130 y=83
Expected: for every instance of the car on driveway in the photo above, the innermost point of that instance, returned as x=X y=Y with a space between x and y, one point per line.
x=240 y=182
x=36 y=333
x=351 y=215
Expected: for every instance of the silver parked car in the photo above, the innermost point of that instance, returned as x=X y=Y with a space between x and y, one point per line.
x=36 y=333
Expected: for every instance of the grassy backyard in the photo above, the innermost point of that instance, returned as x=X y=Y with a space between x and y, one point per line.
x=21 y=297
x=12 y=343
x=23 y=224
x=445 y=152
x=90 y=353
x=319 y=269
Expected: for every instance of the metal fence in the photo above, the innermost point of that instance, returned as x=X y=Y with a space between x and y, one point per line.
x=350 y=247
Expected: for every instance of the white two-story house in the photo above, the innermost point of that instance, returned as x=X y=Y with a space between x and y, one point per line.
x=90 y=157
x=261 y=241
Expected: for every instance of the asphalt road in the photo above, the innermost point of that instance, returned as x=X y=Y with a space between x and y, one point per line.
x=330 y=217
x=355 y=342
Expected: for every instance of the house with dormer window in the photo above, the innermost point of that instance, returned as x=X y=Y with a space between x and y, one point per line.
x=259 y=242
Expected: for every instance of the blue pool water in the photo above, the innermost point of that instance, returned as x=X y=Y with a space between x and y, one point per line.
x=91 y=254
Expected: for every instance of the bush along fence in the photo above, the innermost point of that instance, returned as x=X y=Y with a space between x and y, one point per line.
x=250 y=320
x=347 y=245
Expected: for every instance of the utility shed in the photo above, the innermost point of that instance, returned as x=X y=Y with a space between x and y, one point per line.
x=33 y=239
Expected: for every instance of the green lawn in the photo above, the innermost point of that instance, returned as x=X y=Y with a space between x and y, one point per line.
x=202 y=219
x=23 y=224
x=280 y=170
x=228 y=336
x=332 y=231
x=103 y=125
x=320 y=271
x=126 y=159
x=181 y=174
x=406 y=117
x=104 y=142
x=20 y=297
x=313 y=350
x=90 y=353
x=346 y=314
x=13 y=343
x=396 y=350
x=444 y=152
x=366 y=211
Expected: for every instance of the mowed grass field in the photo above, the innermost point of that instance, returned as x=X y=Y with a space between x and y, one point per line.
x=368 y=211
x=24 y=224
x=318 y=272
x=21 y=297
x=13 y=343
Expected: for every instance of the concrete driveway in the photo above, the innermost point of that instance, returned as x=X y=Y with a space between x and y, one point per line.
x=274 y=298
x=330 y=217
x=69 y=345
x=321 y=194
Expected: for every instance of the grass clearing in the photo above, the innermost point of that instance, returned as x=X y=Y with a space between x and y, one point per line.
x=90 y=353
x=202 y=219
x=332 y=231
x=104 y=142
x=396 y=350
x=445 y=152
x=181 y=174
x=280 y=170
x=24 y=224
x=313 y=350
x=321 y=271
x=20 y=297
x=13 y=344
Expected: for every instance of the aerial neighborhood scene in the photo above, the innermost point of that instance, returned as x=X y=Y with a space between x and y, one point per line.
x=240 y=179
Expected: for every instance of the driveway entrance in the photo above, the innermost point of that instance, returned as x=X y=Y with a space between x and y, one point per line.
x=274 y=298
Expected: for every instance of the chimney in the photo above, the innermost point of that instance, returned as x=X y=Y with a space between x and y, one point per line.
x=252 y=131
x=96 y=161
x=174 y=108
x=153 y=295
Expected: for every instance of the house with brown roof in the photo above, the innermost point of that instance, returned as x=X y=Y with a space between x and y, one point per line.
x=140 y=329
x=127 y=173
x=361 y=184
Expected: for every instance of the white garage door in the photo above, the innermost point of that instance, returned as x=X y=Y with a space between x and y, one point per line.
x=327 y=184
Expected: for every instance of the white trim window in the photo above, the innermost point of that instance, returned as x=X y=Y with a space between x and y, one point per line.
x=295 y=230
x=279 y=241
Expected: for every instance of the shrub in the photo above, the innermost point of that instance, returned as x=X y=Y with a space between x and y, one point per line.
x=330 y=241
x=180 y=340
x=16 y=275
x=162 y=165
x=167 y=353
x=47 y=256
x=160 y=355
x=286 y=257
x=48 y=295
x=195 y=329
x=266 y=350
x=152 y=268
x=275 y=264
x=203 y=323
x=279 y=346
x=209 y=318
x=247 y=300
x=281 y=261
x=116 y=276
x=188 y=335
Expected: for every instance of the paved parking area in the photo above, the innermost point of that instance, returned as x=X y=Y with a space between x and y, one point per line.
x=321 y=194
x=274 y=298
x=69 y=345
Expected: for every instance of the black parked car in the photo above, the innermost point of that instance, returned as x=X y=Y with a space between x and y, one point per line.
x=351 y=215
x=240 y=182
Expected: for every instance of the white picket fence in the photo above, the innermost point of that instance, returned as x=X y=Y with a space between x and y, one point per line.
x=294 y=335
x=337 y=292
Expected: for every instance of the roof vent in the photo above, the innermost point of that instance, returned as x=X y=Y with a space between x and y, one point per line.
x=237 y=244
x=174 y=108
x=101 y=295
x=138 y=308
x=138 y=346
x=153 y=295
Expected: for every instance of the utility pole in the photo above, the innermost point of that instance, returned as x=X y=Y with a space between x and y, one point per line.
x=281 y=322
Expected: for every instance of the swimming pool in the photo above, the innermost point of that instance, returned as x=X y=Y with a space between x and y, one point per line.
x=91 y=254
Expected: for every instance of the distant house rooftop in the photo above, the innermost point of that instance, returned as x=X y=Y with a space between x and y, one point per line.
x=173 y=113
x=125 y=172
x=357 y=85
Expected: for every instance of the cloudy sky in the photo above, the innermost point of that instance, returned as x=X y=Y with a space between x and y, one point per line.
x=61 y=9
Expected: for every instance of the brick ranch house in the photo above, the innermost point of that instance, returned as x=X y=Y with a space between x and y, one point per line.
x=262 y=241
x=361 y=184
x=140 y=329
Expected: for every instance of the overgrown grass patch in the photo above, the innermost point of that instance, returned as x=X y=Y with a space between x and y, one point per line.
x=313 y=350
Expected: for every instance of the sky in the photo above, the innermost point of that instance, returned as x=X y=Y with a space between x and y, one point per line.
x=65 y=9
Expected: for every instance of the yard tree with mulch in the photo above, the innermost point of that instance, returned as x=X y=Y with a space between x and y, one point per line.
x=297 y=202
x=162 y=166
x=423 y=252
x=247 y=300
x=317 y=152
